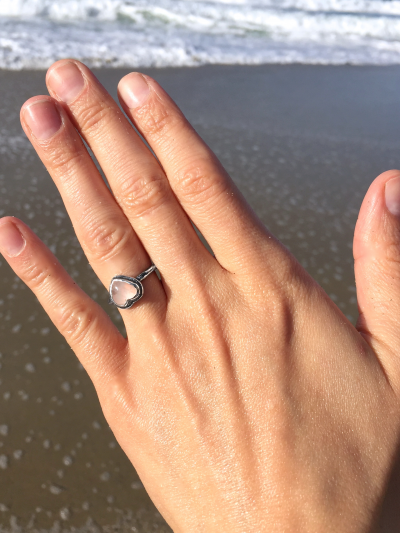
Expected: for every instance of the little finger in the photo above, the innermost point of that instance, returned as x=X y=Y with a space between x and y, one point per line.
x=89 y=331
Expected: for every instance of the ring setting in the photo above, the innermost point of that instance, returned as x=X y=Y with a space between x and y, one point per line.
x=125 y=291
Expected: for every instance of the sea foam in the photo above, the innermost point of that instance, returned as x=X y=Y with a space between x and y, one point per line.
x=144 y=33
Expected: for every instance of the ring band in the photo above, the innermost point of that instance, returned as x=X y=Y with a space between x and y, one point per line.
x=125 y=291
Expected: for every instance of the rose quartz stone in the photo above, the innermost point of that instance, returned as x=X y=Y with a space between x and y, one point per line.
x=122 y=291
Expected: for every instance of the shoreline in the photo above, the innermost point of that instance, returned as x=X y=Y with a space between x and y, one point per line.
x=349 y=101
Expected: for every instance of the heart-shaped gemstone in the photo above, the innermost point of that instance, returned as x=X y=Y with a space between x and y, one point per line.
x=122 y=291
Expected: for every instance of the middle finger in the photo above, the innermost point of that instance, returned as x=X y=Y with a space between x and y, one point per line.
x=135 y=176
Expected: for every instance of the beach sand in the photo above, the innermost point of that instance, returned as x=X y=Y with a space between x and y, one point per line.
x=302 y=142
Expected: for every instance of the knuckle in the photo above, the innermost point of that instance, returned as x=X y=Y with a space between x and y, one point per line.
x=295 y=285
x=143 y=196
x=196 y=185
x=156 y=119
x=291 y=289
x=279 y=301
x=290 y=274
x=34 y=276
x=93 y=114
x=63 y=159
x=279 y=278
x=106 y=240
x=117 y=395
x=76 y=322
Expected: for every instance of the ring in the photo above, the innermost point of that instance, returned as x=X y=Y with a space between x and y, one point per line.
x=125 y=291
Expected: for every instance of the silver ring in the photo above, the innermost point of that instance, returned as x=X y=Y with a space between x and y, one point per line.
x=125 y=291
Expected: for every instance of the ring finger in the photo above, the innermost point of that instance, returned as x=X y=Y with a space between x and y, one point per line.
x=111 y=245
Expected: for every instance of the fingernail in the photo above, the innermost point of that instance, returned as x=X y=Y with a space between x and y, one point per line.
x=11 y=241
x=43 y=119
x=392 y=196
x=66 y=81
x=134 y=90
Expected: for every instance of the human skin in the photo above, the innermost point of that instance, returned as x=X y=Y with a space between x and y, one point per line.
x=243 y=397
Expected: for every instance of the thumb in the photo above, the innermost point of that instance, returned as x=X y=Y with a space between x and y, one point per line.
x=377 y=270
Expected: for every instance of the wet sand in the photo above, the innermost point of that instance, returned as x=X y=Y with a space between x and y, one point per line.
x=302 y=142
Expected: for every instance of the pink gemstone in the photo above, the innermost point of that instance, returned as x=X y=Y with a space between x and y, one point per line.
x=122 y=291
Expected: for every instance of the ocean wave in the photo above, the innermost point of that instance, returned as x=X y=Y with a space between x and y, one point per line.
x=112 y=10
x=139 y=33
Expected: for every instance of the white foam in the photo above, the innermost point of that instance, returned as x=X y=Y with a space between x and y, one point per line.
x=4 y=462
x=144 y=33
x=112 y=9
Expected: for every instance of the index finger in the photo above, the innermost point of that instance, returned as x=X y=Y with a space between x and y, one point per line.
x=203 y=187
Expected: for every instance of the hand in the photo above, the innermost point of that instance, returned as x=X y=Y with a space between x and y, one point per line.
x=243 y=397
